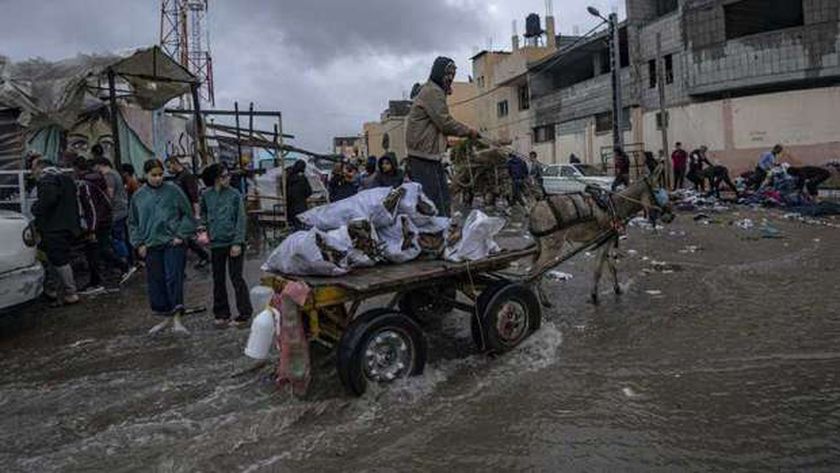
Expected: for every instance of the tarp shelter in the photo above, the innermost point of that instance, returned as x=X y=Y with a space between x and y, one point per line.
x=41 y=101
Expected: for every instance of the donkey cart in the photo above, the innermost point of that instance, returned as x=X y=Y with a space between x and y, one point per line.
x=385 y=343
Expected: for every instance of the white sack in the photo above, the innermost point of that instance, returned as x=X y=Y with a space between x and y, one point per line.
x=366 y=205
x=340 y=240
x=394 y=239
x=476 y=238
x=408 y=205
x=300 y=255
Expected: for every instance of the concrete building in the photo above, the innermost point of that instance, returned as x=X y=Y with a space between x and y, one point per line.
x=388 y=134
x=503 y=100
x=348 y=146
x=739 y=76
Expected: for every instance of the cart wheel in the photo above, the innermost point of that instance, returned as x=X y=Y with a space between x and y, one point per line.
x=380 y=346
x=506 y=314
x=421 y=305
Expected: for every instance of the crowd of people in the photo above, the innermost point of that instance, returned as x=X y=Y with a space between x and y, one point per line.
x=118 y=225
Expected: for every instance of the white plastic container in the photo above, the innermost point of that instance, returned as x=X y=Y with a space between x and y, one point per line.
x=261 y=337
x=260 y=297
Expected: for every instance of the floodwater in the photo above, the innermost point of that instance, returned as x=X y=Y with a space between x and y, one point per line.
x=722 y=355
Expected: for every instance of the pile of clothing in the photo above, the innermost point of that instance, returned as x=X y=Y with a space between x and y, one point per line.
x=379 y=226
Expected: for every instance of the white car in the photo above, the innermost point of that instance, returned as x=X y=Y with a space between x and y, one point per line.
x=21 y=275
x=567 y=178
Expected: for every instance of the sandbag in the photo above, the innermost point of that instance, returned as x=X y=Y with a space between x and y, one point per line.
x=476 y=240
x=300 y=254
x=366 y=205
x=416 y=204
x=400 y=240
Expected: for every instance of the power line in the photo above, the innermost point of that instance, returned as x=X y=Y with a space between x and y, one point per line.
x=560 y=54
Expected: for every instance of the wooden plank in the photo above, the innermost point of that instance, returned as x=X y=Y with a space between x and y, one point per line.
x=389 y=278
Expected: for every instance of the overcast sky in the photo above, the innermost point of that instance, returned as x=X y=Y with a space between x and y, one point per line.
x=329 y=65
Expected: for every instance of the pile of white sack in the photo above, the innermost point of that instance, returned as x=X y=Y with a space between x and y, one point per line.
x=381 y=226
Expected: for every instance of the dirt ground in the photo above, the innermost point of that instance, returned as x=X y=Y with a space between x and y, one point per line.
x=721 y=355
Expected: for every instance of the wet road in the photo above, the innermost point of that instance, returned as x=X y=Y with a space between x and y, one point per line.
x=725 y=358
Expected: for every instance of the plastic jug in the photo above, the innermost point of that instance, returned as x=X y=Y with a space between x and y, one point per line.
x=260 y=296
x=261 y=337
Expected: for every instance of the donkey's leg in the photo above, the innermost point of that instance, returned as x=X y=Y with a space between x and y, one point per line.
x=603 y=254
x=611 y=262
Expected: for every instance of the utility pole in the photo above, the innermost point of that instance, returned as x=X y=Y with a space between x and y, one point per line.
x=615 y=60
x=663 y=114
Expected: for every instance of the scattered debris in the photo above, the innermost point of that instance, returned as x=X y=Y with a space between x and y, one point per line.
x=654 y=292
x=745 y=224
x=559 y=276
x=691 y=249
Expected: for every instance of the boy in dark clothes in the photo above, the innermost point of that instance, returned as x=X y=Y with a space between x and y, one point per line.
x=388 y=175
x=298 y=192
x=343 y=184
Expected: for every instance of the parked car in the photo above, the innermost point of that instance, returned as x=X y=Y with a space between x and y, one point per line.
x=21 y=275
x=566 y=178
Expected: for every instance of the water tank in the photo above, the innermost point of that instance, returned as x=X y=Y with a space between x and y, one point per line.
x=533 y=27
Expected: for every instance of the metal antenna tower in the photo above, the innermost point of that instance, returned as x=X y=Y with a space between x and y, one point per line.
x=184 y=36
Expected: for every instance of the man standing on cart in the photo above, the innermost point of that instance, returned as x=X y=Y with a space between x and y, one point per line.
x=428 y=125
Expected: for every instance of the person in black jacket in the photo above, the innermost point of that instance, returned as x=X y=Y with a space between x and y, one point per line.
x=388 y=174
x=343 y=183
x=298 y=191
x=57 y=220
x=93 y=190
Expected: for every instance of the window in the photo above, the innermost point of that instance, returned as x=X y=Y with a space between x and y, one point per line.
x=551 y=171
x=481 y=82
x=669 y=69
x=749 y=17
x=524 y=98
x=502 y=108
x=567 y=171
x=544 y=134
x=663 y=7
x=659 y=120
x=603 y=122
x=652 y=80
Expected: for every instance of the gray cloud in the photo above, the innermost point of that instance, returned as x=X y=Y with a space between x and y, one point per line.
x=329 y=65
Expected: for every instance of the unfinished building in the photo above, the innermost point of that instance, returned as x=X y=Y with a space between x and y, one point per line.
x=738 y=76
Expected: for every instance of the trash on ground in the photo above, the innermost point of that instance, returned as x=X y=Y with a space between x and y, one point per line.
x=653 y=292
x=559 y=276
x=745 y=224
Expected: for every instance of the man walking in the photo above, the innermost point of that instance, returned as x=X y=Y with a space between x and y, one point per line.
x=427 y=126
x=535 y=172
x=119 y=209
x=518 y=170
x=679 y=159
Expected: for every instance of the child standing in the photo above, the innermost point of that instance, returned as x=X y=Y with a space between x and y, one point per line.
x=223 y=213
x=160 y=220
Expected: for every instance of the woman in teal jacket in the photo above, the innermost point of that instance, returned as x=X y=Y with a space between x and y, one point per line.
x=223 y=213
x=159 y=222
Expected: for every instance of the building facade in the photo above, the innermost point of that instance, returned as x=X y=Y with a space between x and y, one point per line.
x=348 y=146
x=503 y=98
x=738 y=76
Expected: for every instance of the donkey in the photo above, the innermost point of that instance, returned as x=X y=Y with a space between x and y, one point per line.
x=578 y=219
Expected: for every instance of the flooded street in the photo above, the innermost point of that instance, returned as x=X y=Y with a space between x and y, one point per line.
x=722 y=355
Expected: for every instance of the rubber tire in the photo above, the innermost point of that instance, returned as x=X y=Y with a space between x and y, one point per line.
x=411 y=303
x=493 y=296
x=356 y=336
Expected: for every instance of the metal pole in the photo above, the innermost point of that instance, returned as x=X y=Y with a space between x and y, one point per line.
x=238 y=137
x=660 y=79
x=200 y=151
x=115 y=127
x=615 y=59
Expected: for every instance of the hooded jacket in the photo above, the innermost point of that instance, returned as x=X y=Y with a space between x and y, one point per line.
x=223 y=212
x=429 y=122
x=391 y=179
x=298 y=189
x=57 y=209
